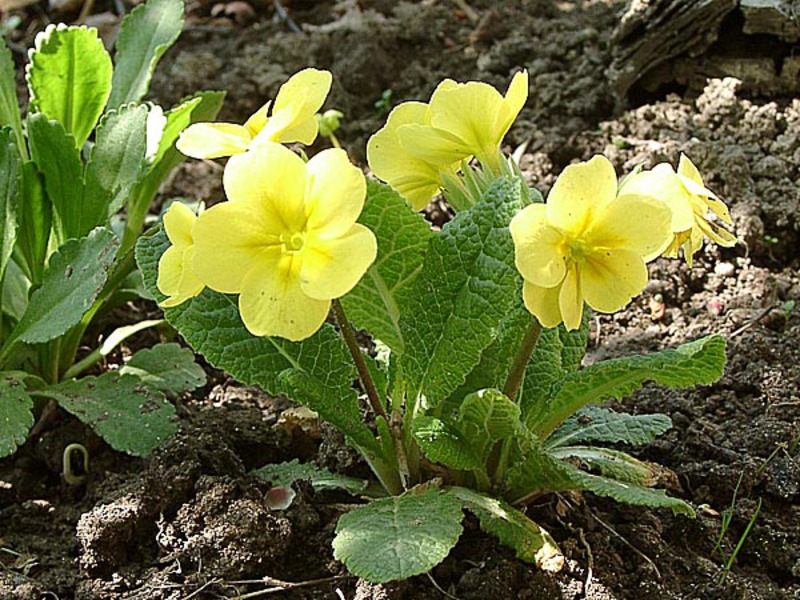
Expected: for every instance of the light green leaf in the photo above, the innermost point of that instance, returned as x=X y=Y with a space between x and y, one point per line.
x=15 y=292
x=16 y=416
x=699 y=362
x=9 y=104
x=374 y=304
x=145 y=35
x=72 y=280
x=10 y=191
x=531 y=542
x=115 y=164
x=489 y=415
x=467 y=285
x=445 y=444
x=613 y=464
x=399 y=537
x=69 y=77
x=35 y=220
x=167 y=367
x=127 y=413
x=285 y=474
x=54 y=152
x=594 y=424
x=317 y=372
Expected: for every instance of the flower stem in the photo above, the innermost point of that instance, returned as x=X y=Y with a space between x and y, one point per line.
x=358 y=359
x=526 y=347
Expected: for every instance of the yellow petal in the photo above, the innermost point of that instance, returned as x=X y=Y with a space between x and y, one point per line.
x=717 y=234
x=570 y=299
x=176 y=277
x=178 y=223
x=543 y=303
x=640 y=224
x=687 y=169
x=304 y=132
x=436 y=147
x=331 y=268
x=538 y=247
x=580 y=191
x=665 y=185
x=213 y=140
x=272 y=302
x=609 y=279
x=257 y=120
x=516 y=95
x=230 y=238
x=335 y=195
x=273 y=178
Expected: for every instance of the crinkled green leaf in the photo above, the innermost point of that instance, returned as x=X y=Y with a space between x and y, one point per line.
x=145 y=35
x=612 y=463
x=9 y=103
x=167 y=367
x=531 y=542
x=285 y=474
x=595 y=424
x=445 y=444
x=490 y=415
x=467 y=285
x=54 y=152
x=127 y=413
x=375 y=303
x=72 y=280
x=699 y=362
x=69 y=77
x=16 y=416
x=399 y=537
x=10 y=192
x=115 y=164
x=317 y=372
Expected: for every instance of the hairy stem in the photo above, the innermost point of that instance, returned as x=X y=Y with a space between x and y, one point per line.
x=526 y=347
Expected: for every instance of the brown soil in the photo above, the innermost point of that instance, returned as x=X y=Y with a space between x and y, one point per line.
x=189 y=522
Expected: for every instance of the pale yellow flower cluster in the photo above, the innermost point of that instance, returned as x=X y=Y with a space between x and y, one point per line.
x=287 y=241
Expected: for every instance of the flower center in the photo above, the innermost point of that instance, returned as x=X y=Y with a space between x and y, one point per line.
x=578 y=249
x=292 y=242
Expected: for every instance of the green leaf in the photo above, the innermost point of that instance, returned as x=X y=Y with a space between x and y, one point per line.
x=15 y=292
x=35 y=220
x=613 y=464
x=467 y=285
x=54 y=152
x=285 y=474
x=75 y=275
x=699 y=362
x=399 y=537
x=10 y=191
x=167 y=367
x=145 y=35
x=489 y=415
x=375 y=303
x=594 y=424
x=16 y=416
x=69 y=77
x=445 y=444
x=531 y=542
x=9 y=104
x=317 y=372
x=127 y=413
x=115 y=164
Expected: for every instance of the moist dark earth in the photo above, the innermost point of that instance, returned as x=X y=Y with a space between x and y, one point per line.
x=188 y=522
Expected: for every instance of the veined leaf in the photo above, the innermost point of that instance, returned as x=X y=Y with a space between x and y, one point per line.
x=445 y=444
x=699 y=362
x=10 y=191
x=145 y=35
x=594 y=424
x=467 y=285
x=531 y=542
x=35 y=220
x=167 y=367
x=75 y=275
x=375 y=303
x=69 y=76
x=54 y=152
x=115 y=164
x=9 y=104
x=399 y=537
x=16 y=416
x=486 y=417
x=285 y=474
x=317 y=372
x=127 y=413
x=612 y=464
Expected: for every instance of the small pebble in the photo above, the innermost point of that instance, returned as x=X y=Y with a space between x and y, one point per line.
x=724 y=269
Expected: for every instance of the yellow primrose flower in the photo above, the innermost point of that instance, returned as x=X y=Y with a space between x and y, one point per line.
x=466 y=119
x=291 y=118
x=586 y=244
x=418 y=181
x=690 y=201
x=176 y=278
x=287 y=241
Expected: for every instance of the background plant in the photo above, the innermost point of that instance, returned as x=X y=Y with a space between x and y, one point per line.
x=79 y=175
